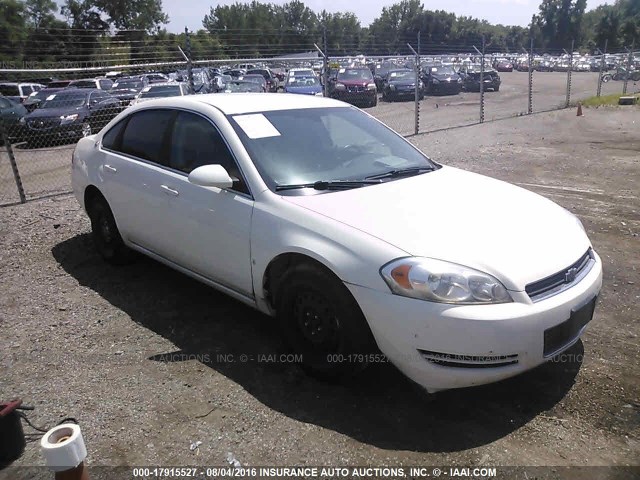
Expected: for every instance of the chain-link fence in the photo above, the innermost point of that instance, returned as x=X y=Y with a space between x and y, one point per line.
x=414 y=87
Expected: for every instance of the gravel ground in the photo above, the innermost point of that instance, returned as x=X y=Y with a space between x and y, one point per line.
x=137 y=353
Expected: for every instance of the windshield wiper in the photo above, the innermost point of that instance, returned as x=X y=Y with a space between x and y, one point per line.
x=329 y=185
x=401 y=172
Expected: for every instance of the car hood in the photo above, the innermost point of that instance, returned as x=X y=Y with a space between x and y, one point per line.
x=54 y=112
x=465 y=218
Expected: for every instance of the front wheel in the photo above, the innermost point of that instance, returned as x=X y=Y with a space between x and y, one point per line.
x=322 y=323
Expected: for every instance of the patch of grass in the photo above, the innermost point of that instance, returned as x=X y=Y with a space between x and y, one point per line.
x=603 y=100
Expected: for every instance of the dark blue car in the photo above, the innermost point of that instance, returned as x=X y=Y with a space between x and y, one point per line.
x=401 y=84
x=303 y=85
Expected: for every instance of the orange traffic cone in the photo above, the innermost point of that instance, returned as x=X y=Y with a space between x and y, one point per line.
x=580 y=114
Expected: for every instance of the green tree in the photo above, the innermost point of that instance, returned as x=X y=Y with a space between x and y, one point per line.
x=40 y=12
x=144 y=15
x=12 y=30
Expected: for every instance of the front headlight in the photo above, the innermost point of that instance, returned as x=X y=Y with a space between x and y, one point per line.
x=371 y=86
x=22 y=121
x=442 y=282
x=341 y=86
x=68 y=118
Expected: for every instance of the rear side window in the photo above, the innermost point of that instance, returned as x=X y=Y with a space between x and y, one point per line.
x=9 y=90
x=27 y=90
x=145 y=134
x=105 y=84
x=113 y=137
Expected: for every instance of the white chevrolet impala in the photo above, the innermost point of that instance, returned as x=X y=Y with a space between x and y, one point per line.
x=362 y=247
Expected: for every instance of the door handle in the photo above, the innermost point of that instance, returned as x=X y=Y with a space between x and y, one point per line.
x=110 y=169
x=169 y=190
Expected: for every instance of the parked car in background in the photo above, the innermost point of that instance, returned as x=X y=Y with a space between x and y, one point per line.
x=19 y=91
x=36 y=98
x=11 y=112
x=355 y=86
x=91 y=83
x=401 y=84
x=235 y=72
x=219 y=82
x=125 y=89
x=312 y=211
x=441 y=79
x=69 y=114
x=380 y=71
x=155 y=77
x=503 y=66
x=161 y=90
x=303 y=85
x=544 y=66
x=257 y=79
x=270 y=79
x=471 y=79
x=242 y=86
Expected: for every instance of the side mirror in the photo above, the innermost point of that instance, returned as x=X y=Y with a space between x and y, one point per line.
x=211 y=176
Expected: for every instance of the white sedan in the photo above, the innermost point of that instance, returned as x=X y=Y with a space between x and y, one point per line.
x=362 y=247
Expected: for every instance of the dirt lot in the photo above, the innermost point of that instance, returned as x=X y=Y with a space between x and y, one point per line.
x=44 y=171
x=135 y=353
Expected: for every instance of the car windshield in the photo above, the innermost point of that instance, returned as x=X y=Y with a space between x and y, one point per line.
x=355 y=74
x=302 y=82
x=443 y=70
x=323 y=144
x=64 y=101
x=130 y=84
x=9 y=90
x=162 y=91
x=402 y=75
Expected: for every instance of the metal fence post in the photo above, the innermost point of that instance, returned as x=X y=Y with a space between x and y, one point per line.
x=601 y=67
x=12 y=160
x=629 y=62
x=187 y=48
x=568 y=101
x=530 y=109
x=325 y=63
x=416 y=70
x=481 y=78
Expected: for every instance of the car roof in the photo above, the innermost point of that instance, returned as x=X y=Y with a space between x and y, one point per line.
x=240 y=103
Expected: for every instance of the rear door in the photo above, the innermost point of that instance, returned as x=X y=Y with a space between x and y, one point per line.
x=135 y=156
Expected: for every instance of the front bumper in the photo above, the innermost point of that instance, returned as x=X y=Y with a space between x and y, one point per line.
x=355 y=98
x=449 y=88
x=485 y=343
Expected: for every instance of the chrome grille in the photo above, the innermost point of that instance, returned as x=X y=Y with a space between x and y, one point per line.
x=558 y=282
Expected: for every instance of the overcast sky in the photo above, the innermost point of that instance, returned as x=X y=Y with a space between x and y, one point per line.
x=190 y=13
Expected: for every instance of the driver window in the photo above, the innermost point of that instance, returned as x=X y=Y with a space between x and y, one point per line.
x=196 y=142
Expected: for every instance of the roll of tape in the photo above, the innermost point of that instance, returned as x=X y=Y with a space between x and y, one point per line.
x=63 y=447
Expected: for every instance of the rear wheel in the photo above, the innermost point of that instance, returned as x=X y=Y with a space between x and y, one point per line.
x=322 y=323
x=106 y=236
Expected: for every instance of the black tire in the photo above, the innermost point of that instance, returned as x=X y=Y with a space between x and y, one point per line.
x=497 y=89
x=322 y=322
x=106 y=236
x=374 y=102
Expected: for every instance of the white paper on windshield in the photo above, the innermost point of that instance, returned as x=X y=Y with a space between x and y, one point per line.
x=50 y=97
x=256 y=126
